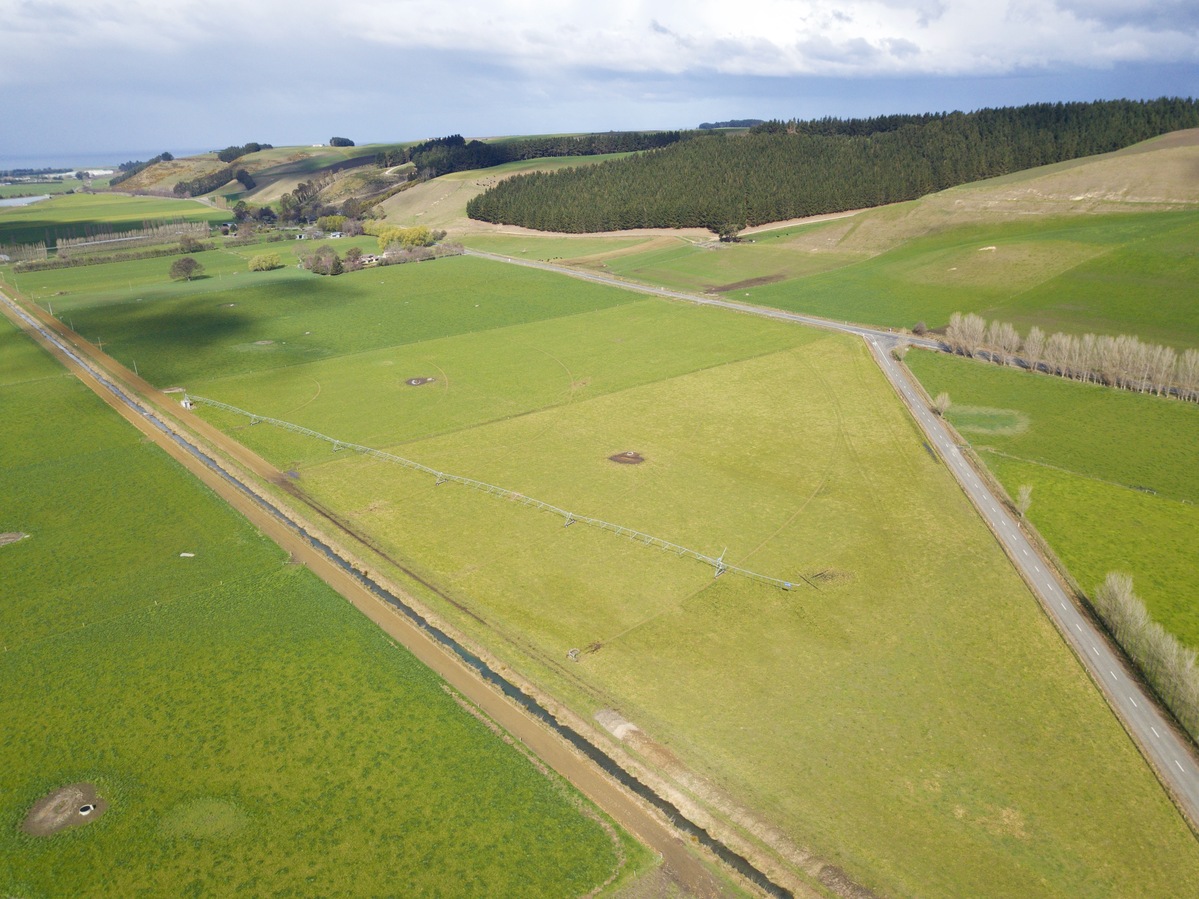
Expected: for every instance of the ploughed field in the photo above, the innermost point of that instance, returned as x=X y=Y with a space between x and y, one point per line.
x=247 y=729
x=910 y=716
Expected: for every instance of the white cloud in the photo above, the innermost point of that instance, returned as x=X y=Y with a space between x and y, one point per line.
x=753 y=37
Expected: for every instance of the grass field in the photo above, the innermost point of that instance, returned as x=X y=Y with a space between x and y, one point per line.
x=186 y=331
x=927 y=736
x=253 y=733
x=73 y=214
x=1108 y=274
x=1115 y=487
x=36 y=188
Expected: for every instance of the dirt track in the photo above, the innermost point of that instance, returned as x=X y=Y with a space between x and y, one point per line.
x=632 y=813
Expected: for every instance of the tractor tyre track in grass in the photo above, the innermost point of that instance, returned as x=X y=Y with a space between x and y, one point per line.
x=652 y=819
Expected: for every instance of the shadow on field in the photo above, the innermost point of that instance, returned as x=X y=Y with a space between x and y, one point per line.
x=176 y=326
x=18 y=230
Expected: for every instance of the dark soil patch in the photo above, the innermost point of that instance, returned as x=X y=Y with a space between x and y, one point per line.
x=749 y=282
x=627 y=458
x=419 y=382
x=11 y=537
x=69 y=806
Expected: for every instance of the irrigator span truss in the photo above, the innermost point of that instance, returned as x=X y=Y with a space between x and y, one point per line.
x=718 y=563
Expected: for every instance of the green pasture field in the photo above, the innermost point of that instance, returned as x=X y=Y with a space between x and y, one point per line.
x=724 y=267
x=1115 y=485
x=916 y=719
x=186 y=331
x=253 y=733
x=1108 y=274
x=70 y=215
x=37 y=188
x=545 y=248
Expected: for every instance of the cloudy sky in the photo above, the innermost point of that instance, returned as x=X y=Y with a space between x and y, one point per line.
x=87 y=77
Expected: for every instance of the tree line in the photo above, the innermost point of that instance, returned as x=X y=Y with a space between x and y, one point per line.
x=1166 y=663
x=443 y=155
x=234 y=152
x=1122 y=361
x=127 y=170
x=777 y=171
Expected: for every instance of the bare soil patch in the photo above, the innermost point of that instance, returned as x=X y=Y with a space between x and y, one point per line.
x=748 y=282
x=11 y=537
x=71 y=806
x=627 y=458
x=419 y=382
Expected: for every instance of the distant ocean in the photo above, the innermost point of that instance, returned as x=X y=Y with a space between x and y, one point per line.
x=84 y=159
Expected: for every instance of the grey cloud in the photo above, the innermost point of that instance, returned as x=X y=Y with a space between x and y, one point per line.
x=901 y=48
x=1158 y=15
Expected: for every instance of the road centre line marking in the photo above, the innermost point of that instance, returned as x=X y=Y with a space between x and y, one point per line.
x=1155 y=733
x=1133 y=701
x=1180 y=768
x=1076 y=626
x=1113 y=674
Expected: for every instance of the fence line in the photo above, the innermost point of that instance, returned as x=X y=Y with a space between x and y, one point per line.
x=716 y=562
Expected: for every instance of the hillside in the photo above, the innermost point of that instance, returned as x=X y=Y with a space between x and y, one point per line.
x=275 y=171
x=724 y=183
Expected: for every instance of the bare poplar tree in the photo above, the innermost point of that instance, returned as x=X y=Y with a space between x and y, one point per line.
x=1034 y=347
x=1188 y=375
x=941 y=404
x=1024 y=499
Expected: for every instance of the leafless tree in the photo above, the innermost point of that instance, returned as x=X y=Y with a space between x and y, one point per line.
x=1034 y=347
x=1024 y=499
x=941 y=404
x=1187 y=375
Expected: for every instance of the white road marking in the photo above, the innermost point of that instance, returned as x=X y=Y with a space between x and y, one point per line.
x=1077 y=627
x=1134 y=702
x=1180 y=768
x=1113 y=674
x=1155 y=733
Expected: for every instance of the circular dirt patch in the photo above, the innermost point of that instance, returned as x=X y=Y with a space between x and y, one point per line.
x=68 y=806
x=419 y=382
x=627 y=458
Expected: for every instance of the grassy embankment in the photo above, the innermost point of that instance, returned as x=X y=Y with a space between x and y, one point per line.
x=253 y=733
x=1114 y=482
x=916 y=720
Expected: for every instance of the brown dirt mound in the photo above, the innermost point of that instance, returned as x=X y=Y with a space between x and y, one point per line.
x=11 y=537
x=69 y=806
x=419 y=382
x=627 y=458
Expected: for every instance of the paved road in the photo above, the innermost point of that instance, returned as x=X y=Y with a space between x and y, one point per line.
x=1169 y=754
